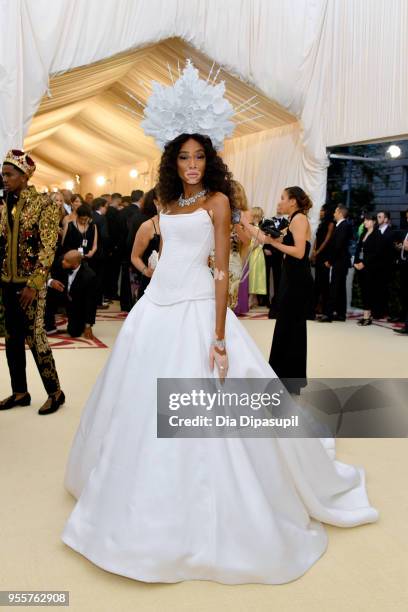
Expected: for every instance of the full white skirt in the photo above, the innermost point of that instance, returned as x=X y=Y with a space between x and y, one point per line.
x=232 y=510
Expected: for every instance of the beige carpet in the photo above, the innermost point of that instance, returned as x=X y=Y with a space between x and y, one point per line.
x=364 y=569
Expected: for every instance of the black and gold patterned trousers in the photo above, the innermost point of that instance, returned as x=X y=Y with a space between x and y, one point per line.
x=27 y=325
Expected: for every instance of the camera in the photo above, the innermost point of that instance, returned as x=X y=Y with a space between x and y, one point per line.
x=268 y=227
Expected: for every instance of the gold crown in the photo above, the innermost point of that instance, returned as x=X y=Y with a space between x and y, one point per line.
x=20 y=160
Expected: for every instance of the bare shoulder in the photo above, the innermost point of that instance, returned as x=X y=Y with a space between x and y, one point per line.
x=301 y=226
x=218 y=207
x=218 y=200
x=145 y=228
x=300 y=221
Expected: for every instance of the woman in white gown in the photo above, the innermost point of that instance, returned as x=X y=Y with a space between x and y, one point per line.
x=231 y=510
x=224 y=509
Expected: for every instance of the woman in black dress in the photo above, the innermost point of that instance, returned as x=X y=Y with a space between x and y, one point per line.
x=324 y=234
x=289 y=346
x=147 y=240
x=81 y=234
x=368 y=260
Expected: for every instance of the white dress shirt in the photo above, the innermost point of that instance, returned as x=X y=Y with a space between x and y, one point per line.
x=71 y=278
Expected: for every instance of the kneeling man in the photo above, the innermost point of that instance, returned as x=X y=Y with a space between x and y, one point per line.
x=73 y=283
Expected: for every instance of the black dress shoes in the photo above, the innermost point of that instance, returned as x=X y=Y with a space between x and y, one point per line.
x=325 y=319
x=53 y=403
x=12 y=401
x=338 y=318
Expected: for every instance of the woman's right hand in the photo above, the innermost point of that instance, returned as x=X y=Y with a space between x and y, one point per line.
x=148 y=272
x=221 y=360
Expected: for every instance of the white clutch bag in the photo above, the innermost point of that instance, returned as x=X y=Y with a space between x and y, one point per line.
x=153 y=259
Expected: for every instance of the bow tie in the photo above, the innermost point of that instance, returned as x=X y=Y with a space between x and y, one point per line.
x=71 y=272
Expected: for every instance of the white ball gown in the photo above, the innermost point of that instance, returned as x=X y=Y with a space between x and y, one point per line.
x=231 y=510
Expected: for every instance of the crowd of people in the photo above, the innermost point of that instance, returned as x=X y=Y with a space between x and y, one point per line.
x=108 y=247
x=371 y=246
x=98 y=259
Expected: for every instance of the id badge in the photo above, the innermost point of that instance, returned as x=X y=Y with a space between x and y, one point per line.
x=84 y=243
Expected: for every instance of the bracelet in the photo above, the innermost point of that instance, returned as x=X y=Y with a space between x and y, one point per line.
x=219 y=344
x=142 y=272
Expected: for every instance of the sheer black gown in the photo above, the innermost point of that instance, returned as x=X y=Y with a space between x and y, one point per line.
x=295 y=297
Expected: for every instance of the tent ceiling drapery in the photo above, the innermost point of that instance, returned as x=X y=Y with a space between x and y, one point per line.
x=82 y=128
x=338 y=67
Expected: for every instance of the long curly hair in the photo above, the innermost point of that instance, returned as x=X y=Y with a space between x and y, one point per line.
x=216 y=177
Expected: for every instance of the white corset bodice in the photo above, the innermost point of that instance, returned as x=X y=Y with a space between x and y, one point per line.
x=182 y=272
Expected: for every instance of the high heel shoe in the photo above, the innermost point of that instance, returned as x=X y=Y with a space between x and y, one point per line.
x=12 y=401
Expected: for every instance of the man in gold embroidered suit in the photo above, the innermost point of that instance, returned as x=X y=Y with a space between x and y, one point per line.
x=28 y=235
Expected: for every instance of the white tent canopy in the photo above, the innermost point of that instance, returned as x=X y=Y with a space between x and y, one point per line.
x=328 y=72
x=83 y=128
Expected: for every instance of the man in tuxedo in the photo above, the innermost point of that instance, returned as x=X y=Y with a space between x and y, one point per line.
x=402 y=245
x=72 y=283
x=98 y=261
x=338 y=262
x=67 y=195
x=388 y=264
x=273 y=262
x=113 y=252
x=127 y=218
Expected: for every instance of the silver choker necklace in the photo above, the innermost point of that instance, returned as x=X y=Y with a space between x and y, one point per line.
x=189 y=201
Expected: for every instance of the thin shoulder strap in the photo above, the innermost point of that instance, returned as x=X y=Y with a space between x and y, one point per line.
x=294 y=215
x=154 y=225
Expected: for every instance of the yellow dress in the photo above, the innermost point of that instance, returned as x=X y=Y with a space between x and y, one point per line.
x=257 y=270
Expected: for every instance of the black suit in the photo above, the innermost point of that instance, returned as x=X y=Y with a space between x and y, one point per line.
x=113 y=261
x=402 y=263
x=80 y=301
x=384 y=273
x=370 y=252
x=340 y=261
x=129 y=217
x=98 y=261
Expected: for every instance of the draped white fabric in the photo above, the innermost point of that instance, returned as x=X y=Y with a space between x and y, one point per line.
x=268 y=161
x=337 y=67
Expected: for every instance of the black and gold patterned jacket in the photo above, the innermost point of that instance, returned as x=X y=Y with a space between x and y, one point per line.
x=27 y=249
